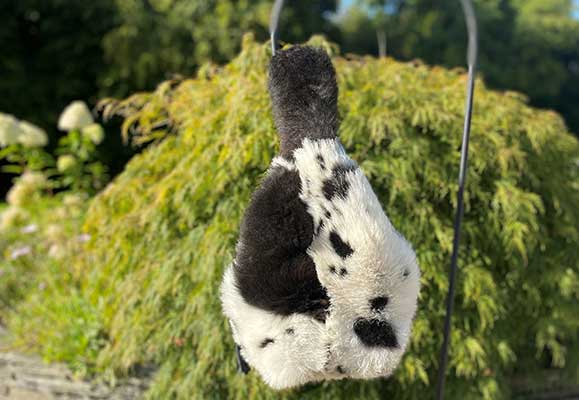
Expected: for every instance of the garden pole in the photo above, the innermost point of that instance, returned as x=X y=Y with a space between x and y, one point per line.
x=471 y=24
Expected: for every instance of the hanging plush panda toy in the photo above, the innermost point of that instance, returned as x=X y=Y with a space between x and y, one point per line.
x=322 y=285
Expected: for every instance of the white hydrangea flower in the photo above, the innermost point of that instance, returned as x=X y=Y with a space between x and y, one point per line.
x=29 y=183
x=16 y=196
x=9 y=130
x=35 y=179
x=11 y=217
x=74 y=199
x=31 y=135
x=94 y=132
x=75 y=116
x=65 y=162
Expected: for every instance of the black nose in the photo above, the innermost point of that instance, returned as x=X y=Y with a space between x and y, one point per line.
x=376 y=333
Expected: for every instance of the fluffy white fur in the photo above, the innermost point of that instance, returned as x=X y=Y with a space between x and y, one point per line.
x=383 y=264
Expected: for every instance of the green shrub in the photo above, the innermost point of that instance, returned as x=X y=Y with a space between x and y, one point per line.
x=146 y=286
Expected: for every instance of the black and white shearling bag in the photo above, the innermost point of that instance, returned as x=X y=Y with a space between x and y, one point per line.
x=322 y=285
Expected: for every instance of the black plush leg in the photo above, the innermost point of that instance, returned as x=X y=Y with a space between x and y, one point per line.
x=276 y=220
x=272 y=268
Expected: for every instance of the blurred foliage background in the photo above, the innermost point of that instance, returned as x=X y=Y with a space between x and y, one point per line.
x=113 y=276
x=131 y=278
x=57 y=51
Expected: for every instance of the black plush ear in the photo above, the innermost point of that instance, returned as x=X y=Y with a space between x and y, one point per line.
x=304 y=96
x=242 y=365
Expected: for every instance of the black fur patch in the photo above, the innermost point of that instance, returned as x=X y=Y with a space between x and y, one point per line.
x=341 y=248
x=304 y=96
x=320 y=315
x=335 y=187
x=321 y=161
x=321 y=312
x=406 y=273
x=272 y=269
x=266 y=342
x=328 y=214
x=377 y=304
x=338 y=184
x=332 y=269
x=375 y=333
x=290 y=331
x=340 y=169
x=340 y=369
x=343 y=272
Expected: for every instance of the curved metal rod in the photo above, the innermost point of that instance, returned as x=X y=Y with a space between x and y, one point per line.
x=274 y=23
x=471 y=24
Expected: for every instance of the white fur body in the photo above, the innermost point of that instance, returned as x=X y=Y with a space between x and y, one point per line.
x=382 y=264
